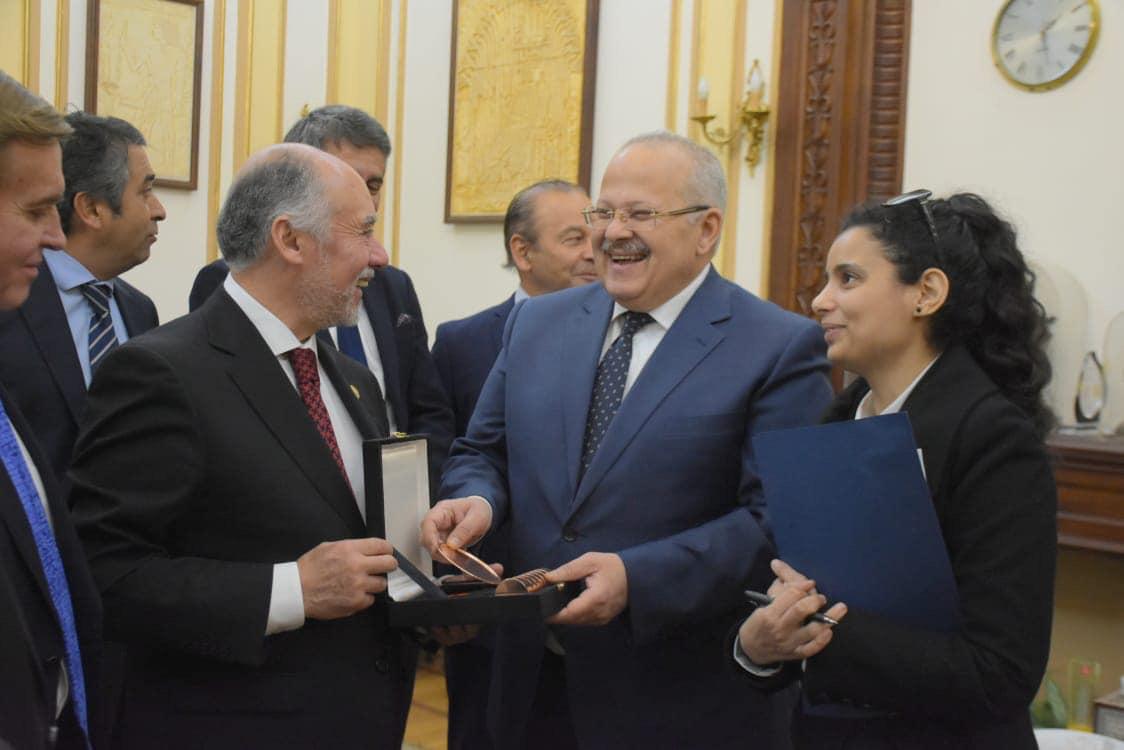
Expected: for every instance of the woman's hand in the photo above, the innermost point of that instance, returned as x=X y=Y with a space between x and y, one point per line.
x=782 y=630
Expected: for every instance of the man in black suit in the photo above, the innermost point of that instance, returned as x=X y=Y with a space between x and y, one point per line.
x=50 y=615
x=548 y=243
x=78 y=308
x=389 y=336
x=218 y=488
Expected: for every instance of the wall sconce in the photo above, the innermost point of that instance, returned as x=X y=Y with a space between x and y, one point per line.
x=752 y=115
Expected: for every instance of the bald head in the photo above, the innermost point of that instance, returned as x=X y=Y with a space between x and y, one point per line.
x=287 y=180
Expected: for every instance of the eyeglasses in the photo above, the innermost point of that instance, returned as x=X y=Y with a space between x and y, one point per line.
x=599 y=218
x=921 y=199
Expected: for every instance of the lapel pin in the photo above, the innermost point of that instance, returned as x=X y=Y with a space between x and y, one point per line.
x=355 y=391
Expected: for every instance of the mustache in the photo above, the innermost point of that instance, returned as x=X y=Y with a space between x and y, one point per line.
x=631 y=245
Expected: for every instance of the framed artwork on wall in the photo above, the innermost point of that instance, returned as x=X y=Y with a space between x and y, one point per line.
x=520 y=100
x=144 y=64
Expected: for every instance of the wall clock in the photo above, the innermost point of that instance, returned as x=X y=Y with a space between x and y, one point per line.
x=1040 y=44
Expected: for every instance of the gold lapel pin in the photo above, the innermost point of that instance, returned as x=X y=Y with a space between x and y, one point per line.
x=355 y=391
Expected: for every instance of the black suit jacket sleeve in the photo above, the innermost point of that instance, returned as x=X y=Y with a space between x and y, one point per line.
x=995 y=498
x=152 y=593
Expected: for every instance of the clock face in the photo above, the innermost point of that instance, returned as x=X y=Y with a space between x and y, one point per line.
x=1041 y=44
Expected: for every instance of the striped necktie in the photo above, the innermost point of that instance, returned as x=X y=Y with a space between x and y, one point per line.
x=102 y=338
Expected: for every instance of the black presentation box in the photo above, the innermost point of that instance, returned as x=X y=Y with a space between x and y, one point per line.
x=397 y=489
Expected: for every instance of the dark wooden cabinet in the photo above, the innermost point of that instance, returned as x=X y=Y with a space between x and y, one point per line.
x=1090 y=476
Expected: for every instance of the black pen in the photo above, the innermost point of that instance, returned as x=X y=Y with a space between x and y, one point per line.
x=764 y=600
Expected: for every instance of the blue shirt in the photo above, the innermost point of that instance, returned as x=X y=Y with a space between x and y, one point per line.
x=69 y=276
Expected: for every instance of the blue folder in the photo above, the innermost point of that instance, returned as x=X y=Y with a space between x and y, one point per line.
x=850 y=508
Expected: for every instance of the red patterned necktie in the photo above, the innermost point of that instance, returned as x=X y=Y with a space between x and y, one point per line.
x=308 y=383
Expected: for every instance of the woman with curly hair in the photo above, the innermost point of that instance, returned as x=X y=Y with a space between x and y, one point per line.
x=930 y=303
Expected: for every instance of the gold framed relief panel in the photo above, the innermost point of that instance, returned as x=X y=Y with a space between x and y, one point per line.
x=520 y=100
x=144 y=64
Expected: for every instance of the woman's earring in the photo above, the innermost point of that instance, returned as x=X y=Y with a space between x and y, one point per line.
x=917 y=310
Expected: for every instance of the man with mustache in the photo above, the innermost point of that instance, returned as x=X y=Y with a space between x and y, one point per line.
x=79 y=309
x=548 y=243
x=219 y=488
x=614 y=436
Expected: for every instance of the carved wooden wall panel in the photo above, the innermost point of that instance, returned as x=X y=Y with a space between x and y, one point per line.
x=839 y=129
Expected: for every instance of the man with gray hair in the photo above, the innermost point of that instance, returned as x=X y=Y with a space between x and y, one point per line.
x=614 y=437
x=219 y=488
x=389 y=335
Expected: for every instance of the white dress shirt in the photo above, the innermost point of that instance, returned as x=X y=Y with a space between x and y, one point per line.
x=864 y=410
x=645 y=341
x=286 y=603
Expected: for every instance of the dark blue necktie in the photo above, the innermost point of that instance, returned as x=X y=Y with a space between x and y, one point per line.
x=49 y=559
x=350 y=343
x=608 y=385
x=102 y=338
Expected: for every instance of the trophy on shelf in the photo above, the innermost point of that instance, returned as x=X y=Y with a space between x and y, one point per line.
x=1090 y=392
x=1112 y=416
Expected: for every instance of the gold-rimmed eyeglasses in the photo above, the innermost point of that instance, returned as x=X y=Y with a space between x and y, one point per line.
x=599 y=218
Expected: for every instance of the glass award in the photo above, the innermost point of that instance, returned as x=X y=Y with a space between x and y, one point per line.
x=1090 y=391
x=1112 y=353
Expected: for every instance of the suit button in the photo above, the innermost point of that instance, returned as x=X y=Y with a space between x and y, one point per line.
x=382 y=665
x=568 y=535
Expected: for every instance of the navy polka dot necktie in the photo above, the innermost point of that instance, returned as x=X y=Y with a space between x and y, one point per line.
x=608 y=385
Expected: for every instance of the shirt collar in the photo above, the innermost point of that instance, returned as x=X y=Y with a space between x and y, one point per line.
x=277 y=335
x=865 y=409
x=521 y=294
x=68 y=273
x=667 y=313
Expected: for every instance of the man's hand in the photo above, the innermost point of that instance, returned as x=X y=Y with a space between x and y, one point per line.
x=606 y=589
x=782 y=631
x=459 y=522
x=341 y=578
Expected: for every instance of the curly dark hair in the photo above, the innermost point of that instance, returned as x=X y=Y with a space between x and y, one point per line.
x=991 y=308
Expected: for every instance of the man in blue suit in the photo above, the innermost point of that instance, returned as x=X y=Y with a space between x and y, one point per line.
x=79 y=309
x=548 y=243
x=619 y=451
x=390 y=336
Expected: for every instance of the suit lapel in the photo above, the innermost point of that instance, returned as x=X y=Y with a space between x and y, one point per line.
x=581 y=349
x=255 y=372
x=375 y=299
x=11 y=511
x=131 y=308
x=500 y=321
x=49 y=328
x=690 y=339
x=368 y=424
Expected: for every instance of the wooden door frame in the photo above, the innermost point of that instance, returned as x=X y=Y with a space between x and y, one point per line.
x=840 y=130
